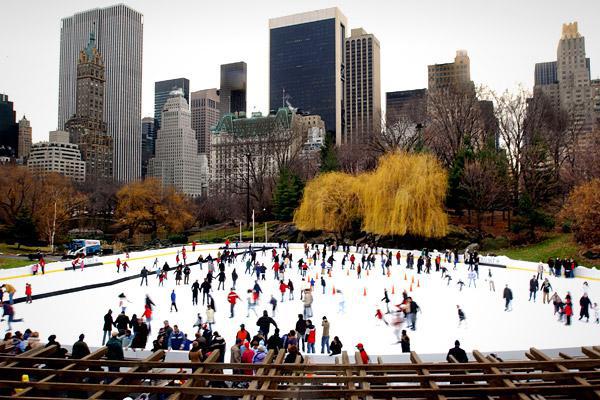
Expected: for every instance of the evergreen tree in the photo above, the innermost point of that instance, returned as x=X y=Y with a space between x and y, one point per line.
x=24 y=230
x=287 y=195
x=329 y=161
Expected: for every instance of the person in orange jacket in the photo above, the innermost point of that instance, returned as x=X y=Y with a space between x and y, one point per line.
x=28 y=292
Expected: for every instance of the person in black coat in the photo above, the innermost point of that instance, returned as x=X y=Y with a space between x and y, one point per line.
x=264 y=323
x=141 y=336
x=122 y=322
x=457 y=353
x=585 y=304
x=301 y=330
x=405 y=342
x=108 y=325
x=336 y=346
x=275 y=342
x=80 y=348
x=507 y=296
x=218 y=343
x=205 y=287
x=114 y=351
x=195 y=290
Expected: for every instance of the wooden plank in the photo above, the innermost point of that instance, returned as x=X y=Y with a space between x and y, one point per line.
x=92 y=356
x=157 y=355
x=268 y=384
x=296 y=374
x=254 y=384
x=415 y=359
x=503 y=381
x=362 y=373
x=581 y=381
x=40 y=351
x=350 y=385
x=194 y=381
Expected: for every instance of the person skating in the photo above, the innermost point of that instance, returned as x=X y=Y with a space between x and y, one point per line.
x=585 y=304
x=122 y=322
x=386 y=299
x=234 y=278
x=144 y=275
x=273 y=303
x=546 y=288
x=173 y=301
x=290 y=287
x=195 y=290
x=336 y=346
x=301 y=330
x=325 y=336
x=507 y=295
x=232 y=298
x=568 y=311
x=472 y=275
x=461 y=315
x=491 y=281
x=251 y=303
x=108 y=326
x=221 y=278
x=379 y=316
x=405 y=342
x=265 y=322
x=458 y=353
x=28 y=293
x=323 y=284
x=413 y=308
x=533 y=288
x=308 y=299
x=186 y=275
x=596 y=313
x=205 y=287
x=210 y=316
x=141 y=336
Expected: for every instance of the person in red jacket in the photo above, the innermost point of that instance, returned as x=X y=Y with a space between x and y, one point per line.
x=193 y=246
x=282 y=288
x=118 y=264
x=247 y=357
x=43 y=265
x=398 y=256
x=363 y=354
x=311 y=336
x=232 y=298
x=148 y=315
x=568 y=312
x=352 y=259
x=28 y=292
x=276 y=270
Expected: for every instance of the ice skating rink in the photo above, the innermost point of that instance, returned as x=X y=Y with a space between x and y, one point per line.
x=488 y=327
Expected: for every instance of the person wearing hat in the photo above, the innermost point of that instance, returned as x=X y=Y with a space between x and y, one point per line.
x=80 y=348
x=260 y=355
x=363 y=354
x=458 y=353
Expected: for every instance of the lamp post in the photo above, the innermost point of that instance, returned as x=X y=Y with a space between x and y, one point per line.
x=248 y=190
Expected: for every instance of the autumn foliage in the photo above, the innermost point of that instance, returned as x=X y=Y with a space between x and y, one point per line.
x=403 y=196
x=582 y=209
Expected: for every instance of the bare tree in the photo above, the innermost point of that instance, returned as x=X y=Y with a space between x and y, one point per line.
x=401 y=132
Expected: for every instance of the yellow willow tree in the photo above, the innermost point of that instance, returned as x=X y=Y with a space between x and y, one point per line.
x=330 y=203
x=405 y=196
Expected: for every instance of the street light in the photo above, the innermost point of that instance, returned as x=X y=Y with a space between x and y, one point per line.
x=248 y=189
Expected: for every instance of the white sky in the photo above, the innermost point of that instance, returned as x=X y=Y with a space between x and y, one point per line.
x=191 y=38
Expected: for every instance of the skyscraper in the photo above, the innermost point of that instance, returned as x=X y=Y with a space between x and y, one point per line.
x=205 y=115
x=545 y=73
x=162 y=92
x=406 y=105
x=86 y=127
x=363 y=87
x=57 y=155
x=574 y=77
x=148 y=139
x=9 y=129
x=119 y=39
x=233 y=88
x=176 y=161
x=306 y=65
x=24 y=145
x=455 y=74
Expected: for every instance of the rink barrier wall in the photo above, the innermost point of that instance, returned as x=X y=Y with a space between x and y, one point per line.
x=100 y=284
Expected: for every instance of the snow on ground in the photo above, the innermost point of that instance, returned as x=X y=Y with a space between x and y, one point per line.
x=488 y=326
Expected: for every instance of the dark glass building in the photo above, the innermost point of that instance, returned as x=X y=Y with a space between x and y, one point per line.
x=148 y=142
x=306 y=64
x=162 y=89
x=9 y=129
x=409 y=105
x=233 y=88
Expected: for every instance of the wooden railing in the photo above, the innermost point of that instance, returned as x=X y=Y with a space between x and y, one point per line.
x=535 y=377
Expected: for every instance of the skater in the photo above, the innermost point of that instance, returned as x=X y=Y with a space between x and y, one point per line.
x=325 y=335
x=308 y=299
x=545 y=288
x=461 y=315
x=273 y=303
x=282 y=288
x=568 y=311
x=10 y=289
x=251 y=303
x=290 y=286
x=123 y=302
x=9 y=311
x=491 y=281
x=413 y=308
x=596 y=313
x=323 y=284
x=472 y=276
x=205 y=286
x=144 y=275
x=232 y=298
x=28 y=293
x=221 y=278
x=540 y=271
x=195 y=290
x=117 y=263
x=178 y=275
x=210 y=316
x=405 y=342
x=379 y=316
x=585 y=304
x=386 y=298
x=508 y=297
x=186 y=275
x=108 y=325
x=265 y=322
x=234 y=278
x=533 y=288
x=173 y=301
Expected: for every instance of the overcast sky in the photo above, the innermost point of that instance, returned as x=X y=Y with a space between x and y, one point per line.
x=191 y=38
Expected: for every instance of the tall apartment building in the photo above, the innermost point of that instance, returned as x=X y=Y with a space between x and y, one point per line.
x=363 y=87
x=454 y=74
x=57 y=155
x=86 y=127
x=148 y=139
x=177 y=162
x=205 y=115
x=264 y=138
x=119 y=37
x=9 y=129
x=24 y=145
x=233 y=88
x=307 y=65
x=406 y=105
x=162 y=92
